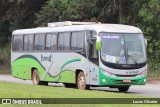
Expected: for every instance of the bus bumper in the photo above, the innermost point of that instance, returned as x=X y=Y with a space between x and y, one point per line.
x=105 y=80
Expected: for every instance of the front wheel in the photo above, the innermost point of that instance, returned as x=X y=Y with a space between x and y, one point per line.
x=123 y=89
x=81 y=81
x=36 y=80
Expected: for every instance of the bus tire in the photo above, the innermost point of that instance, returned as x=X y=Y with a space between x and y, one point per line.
x=36 y=80
x=123 y=88
x=81 y=81
x=35 y=77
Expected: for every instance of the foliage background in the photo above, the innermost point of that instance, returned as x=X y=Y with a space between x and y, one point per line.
x=22 y=14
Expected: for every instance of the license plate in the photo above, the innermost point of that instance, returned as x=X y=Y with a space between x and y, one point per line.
x=126 y=81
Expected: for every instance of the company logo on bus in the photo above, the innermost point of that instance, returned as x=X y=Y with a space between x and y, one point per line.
x=45 y=58
x=131 y=72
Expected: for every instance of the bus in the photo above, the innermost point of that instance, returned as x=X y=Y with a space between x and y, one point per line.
x=81 y=55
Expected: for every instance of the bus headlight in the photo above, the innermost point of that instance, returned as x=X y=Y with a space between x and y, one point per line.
x=143 y=73
x=107 y=73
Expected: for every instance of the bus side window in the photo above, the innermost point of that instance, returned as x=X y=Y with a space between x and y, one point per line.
x=51 y=42
x=25 y=42
x=54 y=41
x=48 y=41
x=28 y=42
x=74 y=41
x=18 y=43
x=66 y=45
x=60 y=41
x=36 y=42
x=39 y=42
x=15 y=42
x=80 y=41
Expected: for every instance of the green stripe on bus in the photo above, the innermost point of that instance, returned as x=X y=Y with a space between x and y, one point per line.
x=67 y=76
x=30 y=56
x=71 y=76
x=70 y=61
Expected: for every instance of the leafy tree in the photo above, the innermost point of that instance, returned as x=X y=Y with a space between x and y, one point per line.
x=62 y=10
x=150 y=24
x=17 y=14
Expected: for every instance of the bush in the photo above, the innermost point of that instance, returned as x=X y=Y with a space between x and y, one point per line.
x=5 y=59
x=153 y=69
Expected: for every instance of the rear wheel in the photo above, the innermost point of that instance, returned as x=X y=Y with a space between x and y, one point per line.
x=36 y=80
x=123 y=89
x=81 y=81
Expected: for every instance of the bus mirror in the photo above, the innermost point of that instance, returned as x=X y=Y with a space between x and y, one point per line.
x=98 y=43
x=145 y=40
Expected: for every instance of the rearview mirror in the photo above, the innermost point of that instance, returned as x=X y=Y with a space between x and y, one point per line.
x=98 y=43
x=145 y=40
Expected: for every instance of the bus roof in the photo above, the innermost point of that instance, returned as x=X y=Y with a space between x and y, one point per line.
x=112 y=28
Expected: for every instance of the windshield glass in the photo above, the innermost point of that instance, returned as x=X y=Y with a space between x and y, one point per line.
x=123 y=48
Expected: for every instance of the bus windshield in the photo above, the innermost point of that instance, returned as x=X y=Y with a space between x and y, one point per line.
x=122 y=48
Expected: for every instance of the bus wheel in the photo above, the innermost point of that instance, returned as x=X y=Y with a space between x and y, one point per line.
x=123 y=89
x=35 y=77
x=81 y=82
x=36 y=80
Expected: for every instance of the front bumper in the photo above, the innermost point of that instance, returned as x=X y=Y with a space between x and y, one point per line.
x=105 y=80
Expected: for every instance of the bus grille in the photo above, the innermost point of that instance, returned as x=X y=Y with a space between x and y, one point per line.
x=126 y=75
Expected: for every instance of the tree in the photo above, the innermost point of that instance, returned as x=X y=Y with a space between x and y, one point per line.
x=150 y=24
x=17 y=14
x=63 y=10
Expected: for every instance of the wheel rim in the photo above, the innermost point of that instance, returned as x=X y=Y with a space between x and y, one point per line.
x=81 y=82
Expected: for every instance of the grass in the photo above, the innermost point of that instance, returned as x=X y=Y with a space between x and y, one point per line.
x=14 y=90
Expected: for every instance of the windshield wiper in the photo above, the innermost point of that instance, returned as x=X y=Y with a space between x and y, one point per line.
x=123 y=55
x=129 y=56
x=120 y=58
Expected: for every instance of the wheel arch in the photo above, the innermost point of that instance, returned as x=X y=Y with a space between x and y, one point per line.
x=87 y=86
x=77 y=71
x=86 y=73
x=32 y=69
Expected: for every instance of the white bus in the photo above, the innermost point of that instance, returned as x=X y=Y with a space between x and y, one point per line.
x=80 y=54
